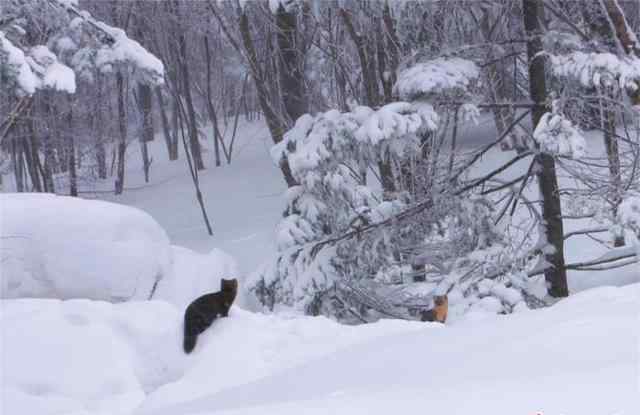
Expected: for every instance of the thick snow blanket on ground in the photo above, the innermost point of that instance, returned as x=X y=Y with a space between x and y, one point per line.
x=578 y=357
x=249 y=346
x=86 y=357
x=98 y=358
x=66 y=247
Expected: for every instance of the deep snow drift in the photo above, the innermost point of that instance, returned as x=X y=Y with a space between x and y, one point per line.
x=577 y=357
x=65 y=247
x=89 y=357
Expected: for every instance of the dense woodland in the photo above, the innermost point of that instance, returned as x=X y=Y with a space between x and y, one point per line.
x=363 y=100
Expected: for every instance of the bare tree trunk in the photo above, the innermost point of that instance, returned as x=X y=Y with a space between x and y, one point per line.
x=165 y=124
x=613 y=157
x=626 y=37
x=370 y=83
x=47 y=146
x=212 y=111
x=498 y=84
x=291 y=71
x=122 y=139
x=235 y=119
x=31 y=153
x=192 y=123
x=336 y=39
x=16 y=160
x=145 y=103
x=101 y=152
x=274 y=123
x=193 y=171
x=599 y=23
x=48 y=161
x=556 y=274
x=388 y=78
x=175 y=126
x=73 y=175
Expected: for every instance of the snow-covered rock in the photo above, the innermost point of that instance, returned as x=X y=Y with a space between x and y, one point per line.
x=66 y=247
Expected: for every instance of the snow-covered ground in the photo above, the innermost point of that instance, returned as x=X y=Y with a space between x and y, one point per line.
x=90 y=357
x=243 y=199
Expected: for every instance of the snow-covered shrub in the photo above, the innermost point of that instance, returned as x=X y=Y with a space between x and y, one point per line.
x=352 y=251
x=629 y=213
x=328 y=155
x=367 y=275
x=556 y=135
x=65 y=247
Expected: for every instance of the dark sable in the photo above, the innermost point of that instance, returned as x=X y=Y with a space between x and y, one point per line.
x=203 y=310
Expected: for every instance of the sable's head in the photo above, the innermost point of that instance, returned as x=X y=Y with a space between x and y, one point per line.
x=440 y=300
x=229 y=285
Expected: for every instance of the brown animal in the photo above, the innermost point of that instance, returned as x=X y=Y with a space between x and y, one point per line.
x=437 y=313
x=201 y=313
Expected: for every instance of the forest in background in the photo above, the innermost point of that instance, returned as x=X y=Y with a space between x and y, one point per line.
x=362 y=100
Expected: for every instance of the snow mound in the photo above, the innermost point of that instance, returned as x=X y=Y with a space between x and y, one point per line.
x=249 y=346
x=99 y=358
x=86 y=357
x=66 y=247
x=503 y=365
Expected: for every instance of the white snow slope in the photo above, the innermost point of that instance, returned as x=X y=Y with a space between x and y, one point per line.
x=88 y=357
x=65 y=247
x=578 y=357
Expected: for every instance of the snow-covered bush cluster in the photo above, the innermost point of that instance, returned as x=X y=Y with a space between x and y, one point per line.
x=349 y=249
x=328 y=155
x=629 y=213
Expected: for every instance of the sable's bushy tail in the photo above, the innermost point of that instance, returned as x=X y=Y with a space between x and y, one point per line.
x=189 y=343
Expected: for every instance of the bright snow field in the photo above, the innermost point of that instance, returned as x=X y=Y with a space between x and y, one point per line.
x=90 y=357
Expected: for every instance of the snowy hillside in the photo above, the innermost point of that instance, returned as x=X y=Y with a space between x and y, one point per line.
x=79 y=356
x=312 y=207
x=243 y=199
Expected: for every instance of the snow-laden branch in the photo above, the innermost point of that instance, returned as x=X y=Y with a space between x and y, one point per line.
x=36 y=68
x=117 y=47
x=14 y=59
x=598 y=69
x=437 y=76
x=557 y=136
